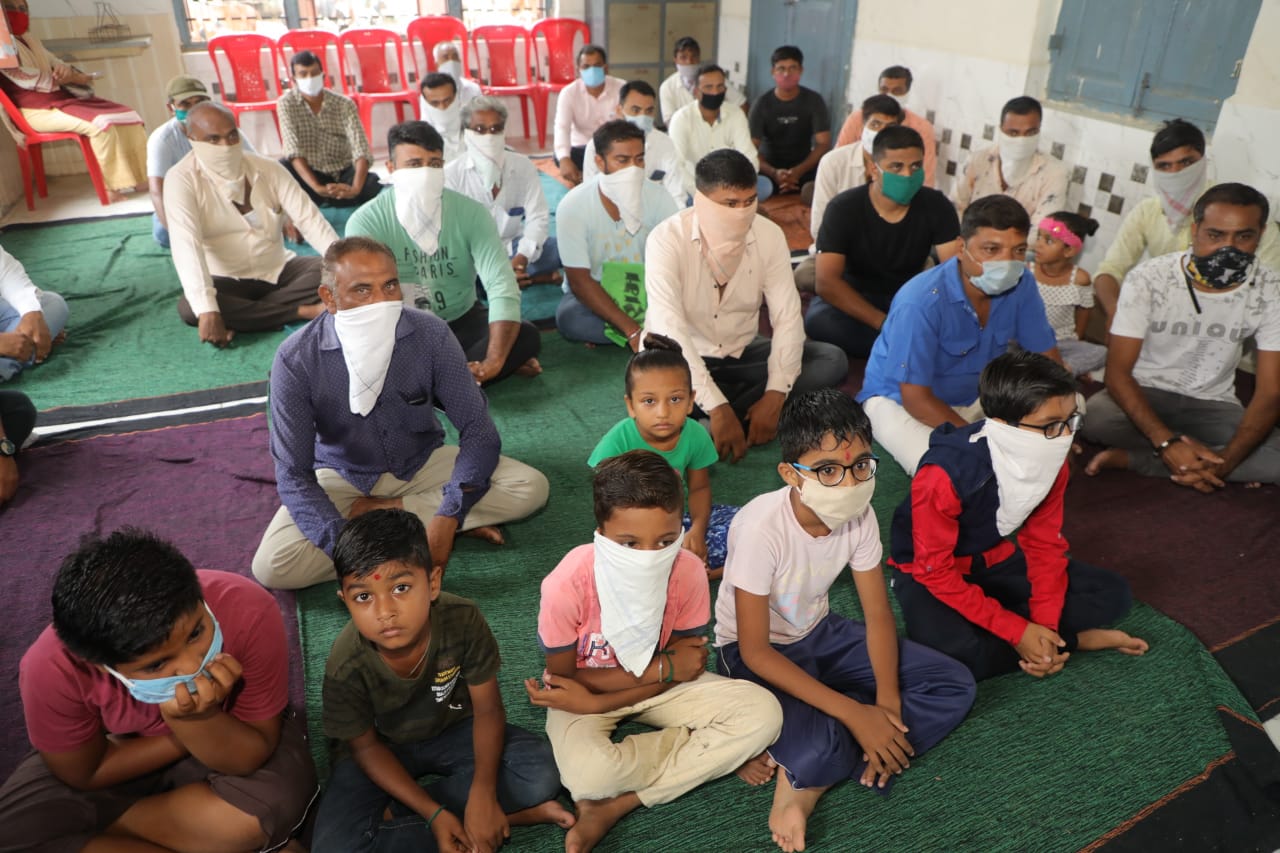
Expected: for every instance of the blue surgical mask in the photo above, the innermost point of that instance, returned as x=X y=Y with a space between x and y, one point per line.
x=157 y=691
x=997 y=276
x=593 y=75
x=645 y=123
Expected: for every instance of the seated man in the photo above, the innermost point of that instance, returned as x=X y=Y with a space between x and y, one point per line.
x=157 y=706
x=964 y=588
x=449 y=61
x=1014 y=167
x=1162 y=223
x=704 y=126
x=681 y=87
x=789 y=125
x=581 y=107
x=508 y=186
x=638 y=105
x=343 y=447
x=1170 y=408
x=225 y=209
x=443 y=243
x=325 y=148
x=946 y=324
x=603 y=225
x=17 y=420
x=709 y=269
x=168 y=144
x=873 y=239
x=441 y=105
x=32 y=321
x=895 y=81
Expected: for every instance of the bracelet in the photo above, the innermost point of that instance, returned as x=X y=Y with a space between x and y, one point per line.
x=1164 y=445
x=660 y=657
x=434 y=815
x=671 y=668
x=635 y=333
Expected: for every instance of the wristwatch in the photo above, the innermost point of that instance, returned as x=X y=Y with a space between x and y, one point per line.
x=7 y=447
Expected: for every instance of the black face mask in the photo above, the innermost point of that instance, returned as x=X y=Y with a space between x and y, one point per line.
x=1221 y=269
x=711 y=102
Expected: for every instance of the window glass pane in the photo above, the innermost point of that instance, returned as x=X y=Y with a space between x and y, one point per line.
x=208 y=18
x=341 y=15
x=477 y=13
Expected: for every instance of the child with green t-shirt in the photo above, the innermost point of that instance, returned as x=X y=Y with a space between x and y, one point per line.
x=659 y=397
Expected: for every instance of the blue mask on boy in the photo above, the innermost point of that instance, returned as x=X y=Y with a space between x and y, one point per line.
x=157 y=691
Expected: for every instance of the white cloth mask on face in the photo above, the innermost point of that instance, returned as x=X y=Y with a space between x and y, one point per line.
x=453 y=68
x=418 y=202
x=625 y=188
x=368 y=337
x=868 y=138
x=1026 y=465
x=1016 y=153
x=645 y=123
x=836 y=506
x=488 y=152
x=448 y=121
x=310 y=86
x=631 y=585
x=1177 y=191
x=225 y=165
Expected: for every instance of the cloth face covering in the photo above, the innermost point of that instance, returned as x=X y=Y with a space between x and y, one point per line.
x=711 y=102
x=1016 y=153
x=625 y=188
x=488 y=153
x=688 y=74
x=593 y=75
x=368 y=337
x=418 y=193
x=453 y=68
x=901 y=188
x=836 y=506
x=997 y=276
x=447 y=121
x=226 y=164
x=645 y=123
x=310 y=86
x=723 y=234
x=632 y=588
x=19 y=22
x=1221 y=269
x=1026 y=465
x=157 y=691
x=1177 y=191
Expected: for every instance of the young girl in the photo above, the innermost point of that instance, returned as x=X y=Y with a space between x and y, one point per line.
x=659 y=396
x=1066 y=289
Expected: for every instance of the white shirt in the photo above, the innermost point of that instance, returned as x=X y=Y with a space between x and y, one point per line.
x=683 y=302
x=771 y=554
x=168 y=144
x=16 y=287
x=839 y=170
x=694 y=138
x=519 y=209
x=674 y=94
x=1189 y=353
x=587 y=235
x=209 y=237
x=661 y=163
x=579 y=113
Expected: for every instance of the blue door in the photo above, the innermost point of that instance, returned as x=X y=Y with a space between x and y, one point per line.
x=823 y=29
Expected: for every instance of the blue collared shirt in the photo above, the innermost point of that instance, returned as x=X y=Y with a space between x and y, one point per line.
x=312 y=425
x=932 y=336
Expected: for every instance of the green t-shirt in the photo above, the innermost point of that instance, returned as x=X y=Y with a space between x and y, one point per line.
x=695 y=449
x=446 y=281
x=361 y=692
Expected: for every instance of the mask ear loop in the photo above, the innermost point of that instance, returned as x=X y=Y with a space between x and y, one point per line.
x=1189 y=279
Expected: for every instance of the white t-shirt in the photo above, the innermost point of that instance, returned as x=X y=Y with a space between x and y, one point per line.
x=1189 y=353
x=588 y=236
x=771 y=554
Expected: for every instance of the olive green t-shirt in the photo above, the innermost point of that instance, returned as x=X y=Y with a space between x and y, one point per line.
x=361 y=692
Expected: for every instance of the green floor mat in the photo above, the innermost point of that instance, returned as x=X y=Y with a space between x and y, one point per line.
x=1042 y=766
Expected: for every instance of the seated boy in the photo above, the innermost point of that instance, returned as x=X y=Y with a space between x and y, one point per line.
x=411 y=689
x=156 y=704
x=967 y=590
x=855 y=702
x=622 y=623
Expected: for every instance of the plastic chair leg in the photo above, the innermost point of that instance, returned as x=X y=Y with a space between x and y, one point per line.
x=95 y=171
x=24 y=160
x=540 y=100
x=524 y=113
x=37 y=168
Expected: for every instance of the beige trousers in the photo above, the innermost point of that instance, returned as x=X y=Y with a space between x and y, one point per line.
x=286 y=559
x=121 y=149
x=703 y=730
x=903 y=436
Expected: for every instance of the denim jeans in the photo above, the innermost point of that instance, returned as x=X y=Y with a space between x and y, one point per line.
x=548 y=261
x=577 y=322
x=55 y=311
x=351 y=813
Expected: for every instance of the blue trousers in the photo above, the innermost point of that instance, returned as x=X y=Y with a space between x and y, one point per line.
x=55 y=311
x=717 y=533
x=577 y=322
x=816 y=749
x=350 y=819
x=548 y=261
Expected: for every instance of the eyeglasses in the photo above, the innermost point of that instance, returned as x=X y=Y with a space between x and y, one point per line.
x=1055 y=428
x=832 y=474
x=488 y=130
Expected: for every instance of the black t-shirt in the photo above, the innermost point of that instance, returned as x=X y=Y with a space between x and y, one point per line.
x=786 y=128
x=880 y=256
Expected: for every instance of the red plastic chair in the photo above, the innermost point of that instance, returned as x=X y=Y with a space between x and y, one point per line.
x=254 y=91
x=31 y=156
x=427 y=32
x=505 y=59
x=323 y=44
x=364 y=53
x=556 y=44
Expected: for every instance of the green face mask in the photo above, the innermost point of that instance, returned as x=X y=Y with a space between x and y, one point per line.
x=180 y=115
x=900 y=188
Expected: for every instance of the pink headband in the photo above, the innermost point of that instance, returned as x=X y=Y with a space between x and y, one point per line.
x=1056 y=228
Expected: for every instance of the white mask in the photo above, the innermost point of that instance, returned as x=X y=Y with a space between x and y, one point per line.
x=631 y=586
x=368 y=337
x=645 y=123
x=418 y=201
x=1026 y=465
x=448 y=122
x=453 y=68
x=310 y=86
x=688 y=73
x=225 y=163
x=1015 y=155
x=868 y=138
x=488 y=153
x=625 y=188
x=1177 y=191
x=904 y=101
x=836 y=506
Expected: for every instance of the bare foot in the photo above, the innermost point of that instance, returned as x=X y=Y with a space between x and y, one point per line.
x=310 y=312
x=715 y=574
x=760 y=769
x=532 y=367
x=114 y=196
x=60 y=339
x=1246 y=485
x=595 y=819
x=492 y=535
x=1096 y=639
x=1110 y=458
x=790 y=813
x=549 y=812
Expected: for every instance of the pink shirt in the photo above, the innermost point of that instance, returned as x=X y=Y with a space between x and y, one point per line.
x=68 y=702
x=579 y=113
x=569 y=616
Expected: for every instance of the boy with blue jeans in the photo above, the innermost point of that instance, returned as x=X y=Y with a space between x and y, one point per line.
x=411 y=689
x=856 y=702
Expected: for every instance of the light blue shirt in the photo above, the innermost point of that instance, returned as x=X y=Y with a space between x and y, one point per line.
x=168 y=144
x=587 y=236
